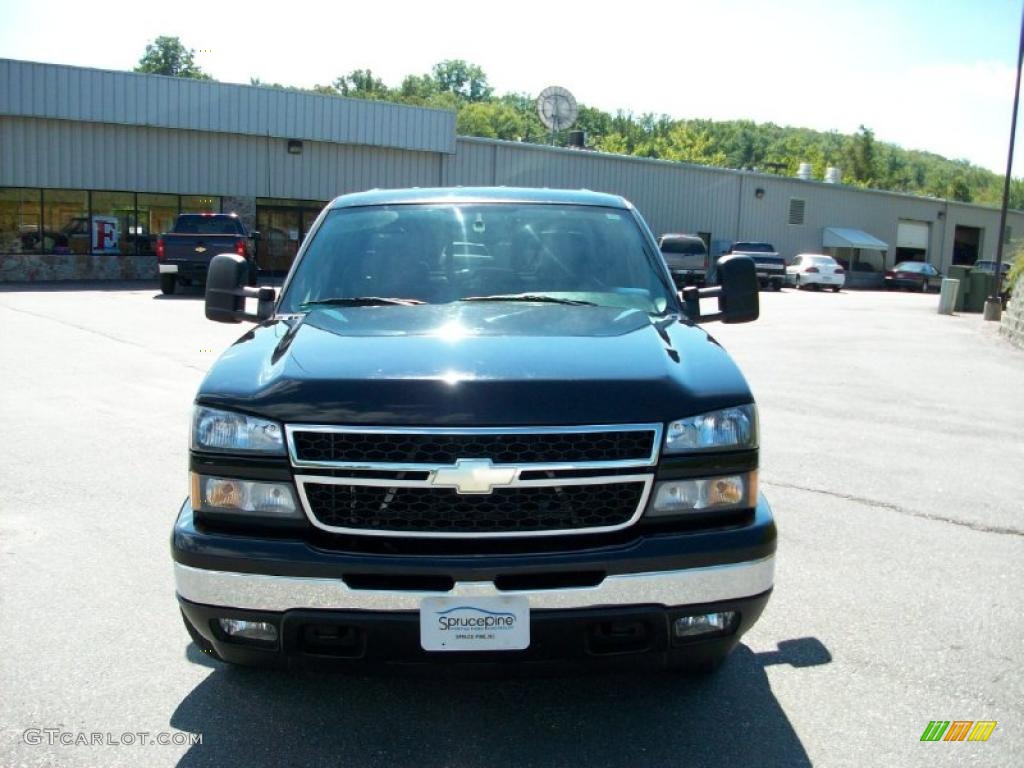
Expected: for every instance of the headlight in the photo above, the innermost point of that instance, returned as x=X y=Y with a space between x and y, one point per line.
x=718 y=494
x=215 y=430
x=222 y=494
x=725 y=430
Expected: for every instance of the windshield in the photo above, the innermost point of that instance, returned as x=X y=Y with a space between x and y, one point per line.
x=684 y=246
x=910 y=266
x=440 y=253
x=753 y=247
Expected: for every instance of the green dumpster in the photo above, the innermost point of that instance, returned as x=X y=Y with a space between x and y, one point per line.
x=961 y=273
x=982 y=284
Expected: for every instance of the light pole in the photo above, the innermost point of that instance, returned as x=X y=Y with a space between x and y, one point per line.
x=994 y=304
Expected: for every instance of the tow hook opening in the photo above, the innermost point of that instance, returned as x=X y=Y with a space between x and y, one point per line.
x=338 y=641
x=615 y=637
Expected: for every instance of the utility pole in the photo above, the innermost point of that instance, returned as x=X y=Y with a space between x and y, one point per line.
x=994 y=304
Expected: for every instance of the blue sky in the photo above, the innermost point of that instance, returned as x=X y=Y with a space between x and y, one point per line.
x=925 y=75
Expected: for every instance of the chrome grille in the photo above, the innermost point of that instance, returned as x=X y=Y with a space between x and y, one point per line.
x=473 y=482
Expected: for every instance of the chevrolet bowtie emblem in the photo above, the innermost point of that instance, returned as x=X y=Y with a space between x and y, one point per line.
x=200 y=249
x=473 y=476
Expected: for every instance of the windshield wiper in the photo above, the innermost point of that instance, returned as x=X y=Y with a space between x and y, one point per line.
x=361 y=301
x=531 y=297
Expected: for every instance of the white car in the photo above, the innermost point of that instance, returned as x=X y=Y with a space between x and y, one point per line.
x=817 y=270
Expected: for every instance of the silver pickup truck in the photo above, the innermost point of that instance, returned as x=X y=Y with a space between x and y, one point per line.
x=771 y=267
x=686 y=257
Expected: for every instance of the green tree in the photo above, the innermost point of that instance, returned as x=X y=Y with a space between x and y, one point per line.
x=361 y=84
x=491 y=120
x=860 y=157
x=167 y=56
x=463 y=79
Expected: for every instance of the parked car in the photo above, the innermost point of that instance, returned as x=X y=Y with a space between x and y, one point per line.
x=184 y=253
x=771 y=267
x=527 y=459
x=913 y=276
x=990 y=267
x=815 y=270
x=686 y=257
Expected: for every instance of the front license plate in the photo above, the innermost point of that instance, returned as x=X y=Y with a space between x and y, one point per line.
x=474 y=623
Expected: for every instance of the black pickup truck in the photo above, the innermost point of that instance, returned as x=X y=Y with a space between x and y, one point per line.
x=184 y=253
x=771 y=267
x=523 y=452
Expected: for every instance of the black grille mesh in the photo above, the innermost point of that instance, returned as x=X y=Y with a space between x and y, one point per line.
x=505 y=510
x=534 y=448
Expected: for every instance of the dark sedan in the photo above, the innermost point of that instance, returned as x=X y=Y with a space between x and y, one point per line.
x=913 y=276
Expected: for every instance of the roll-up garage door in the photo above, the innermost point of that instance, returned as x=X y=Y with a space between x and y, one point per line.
x=912 y=234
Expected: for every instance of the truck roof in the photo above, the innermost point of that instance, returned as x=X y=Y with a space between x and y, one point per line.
x=479 y=195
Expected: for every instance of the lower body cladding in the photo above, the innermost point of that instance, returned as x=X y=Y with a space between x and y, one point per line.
x=676 y=600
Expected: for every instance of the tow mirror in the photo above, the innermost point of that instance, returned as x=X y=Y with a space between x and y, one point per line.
x=737 y=293
x=226 y=291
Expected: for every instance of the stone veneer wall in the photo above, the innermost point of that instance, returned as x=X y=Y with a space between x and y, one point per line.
x=31 y=267
x=1012 y=326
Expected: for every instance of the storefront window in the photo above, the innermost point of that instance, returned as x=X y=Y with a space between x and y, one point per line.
x=113 y=223
x=20 y=220
x=200 y=204
x=65 y=221
x=156 y=215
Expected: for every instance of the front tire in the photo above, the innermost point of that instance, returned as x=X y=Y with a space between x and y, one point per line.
x=168 y=284
x=835 y=289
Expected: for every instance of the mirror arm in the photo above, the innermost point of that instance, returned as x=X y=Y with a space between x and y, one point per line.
x=265 y=297
x=691 y=303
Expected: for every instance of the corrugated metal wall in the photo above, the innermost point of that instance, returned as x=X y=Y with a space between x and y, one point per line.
x=28 y=89
x=672 y=197
x=683 y=198
x=59 y=153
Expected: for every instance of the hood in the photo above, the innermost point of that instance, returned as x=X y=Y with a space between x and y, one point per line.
x=486 y=364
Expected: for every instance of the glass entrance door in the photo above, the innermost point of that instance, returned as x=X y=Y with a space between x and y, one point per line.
x=283 y=225
x=279 y=238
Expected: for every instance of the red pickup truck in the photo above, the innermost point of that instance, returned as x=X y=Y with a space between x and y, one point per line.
x=183 y=254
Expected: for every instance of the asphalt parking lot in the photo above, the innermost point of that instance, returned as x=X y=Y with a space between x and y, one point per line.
x=893 y=453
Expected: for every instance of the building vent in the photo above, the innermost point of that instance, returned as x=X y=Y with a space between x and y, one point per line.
x=833 y=175
x=796 y=210
x=804 y=171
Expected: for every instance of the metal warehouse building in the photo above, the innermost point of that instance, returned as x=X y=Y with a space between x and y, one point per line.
x=95 y=164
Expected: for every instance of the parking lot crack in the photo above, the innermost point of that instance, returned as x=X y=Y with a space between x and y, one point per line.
x=981 y=527
x=95 y=332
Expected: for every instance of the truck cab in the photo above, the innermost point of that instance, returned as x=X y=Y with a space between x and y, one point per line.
x=475 y=426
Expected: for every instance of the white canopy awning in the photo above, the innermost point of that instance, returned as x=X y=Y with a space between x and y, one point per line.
x=839 y=237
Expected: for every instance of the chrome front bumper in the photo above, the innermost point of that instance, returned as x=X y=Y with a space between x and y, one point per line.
x=262 y=592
